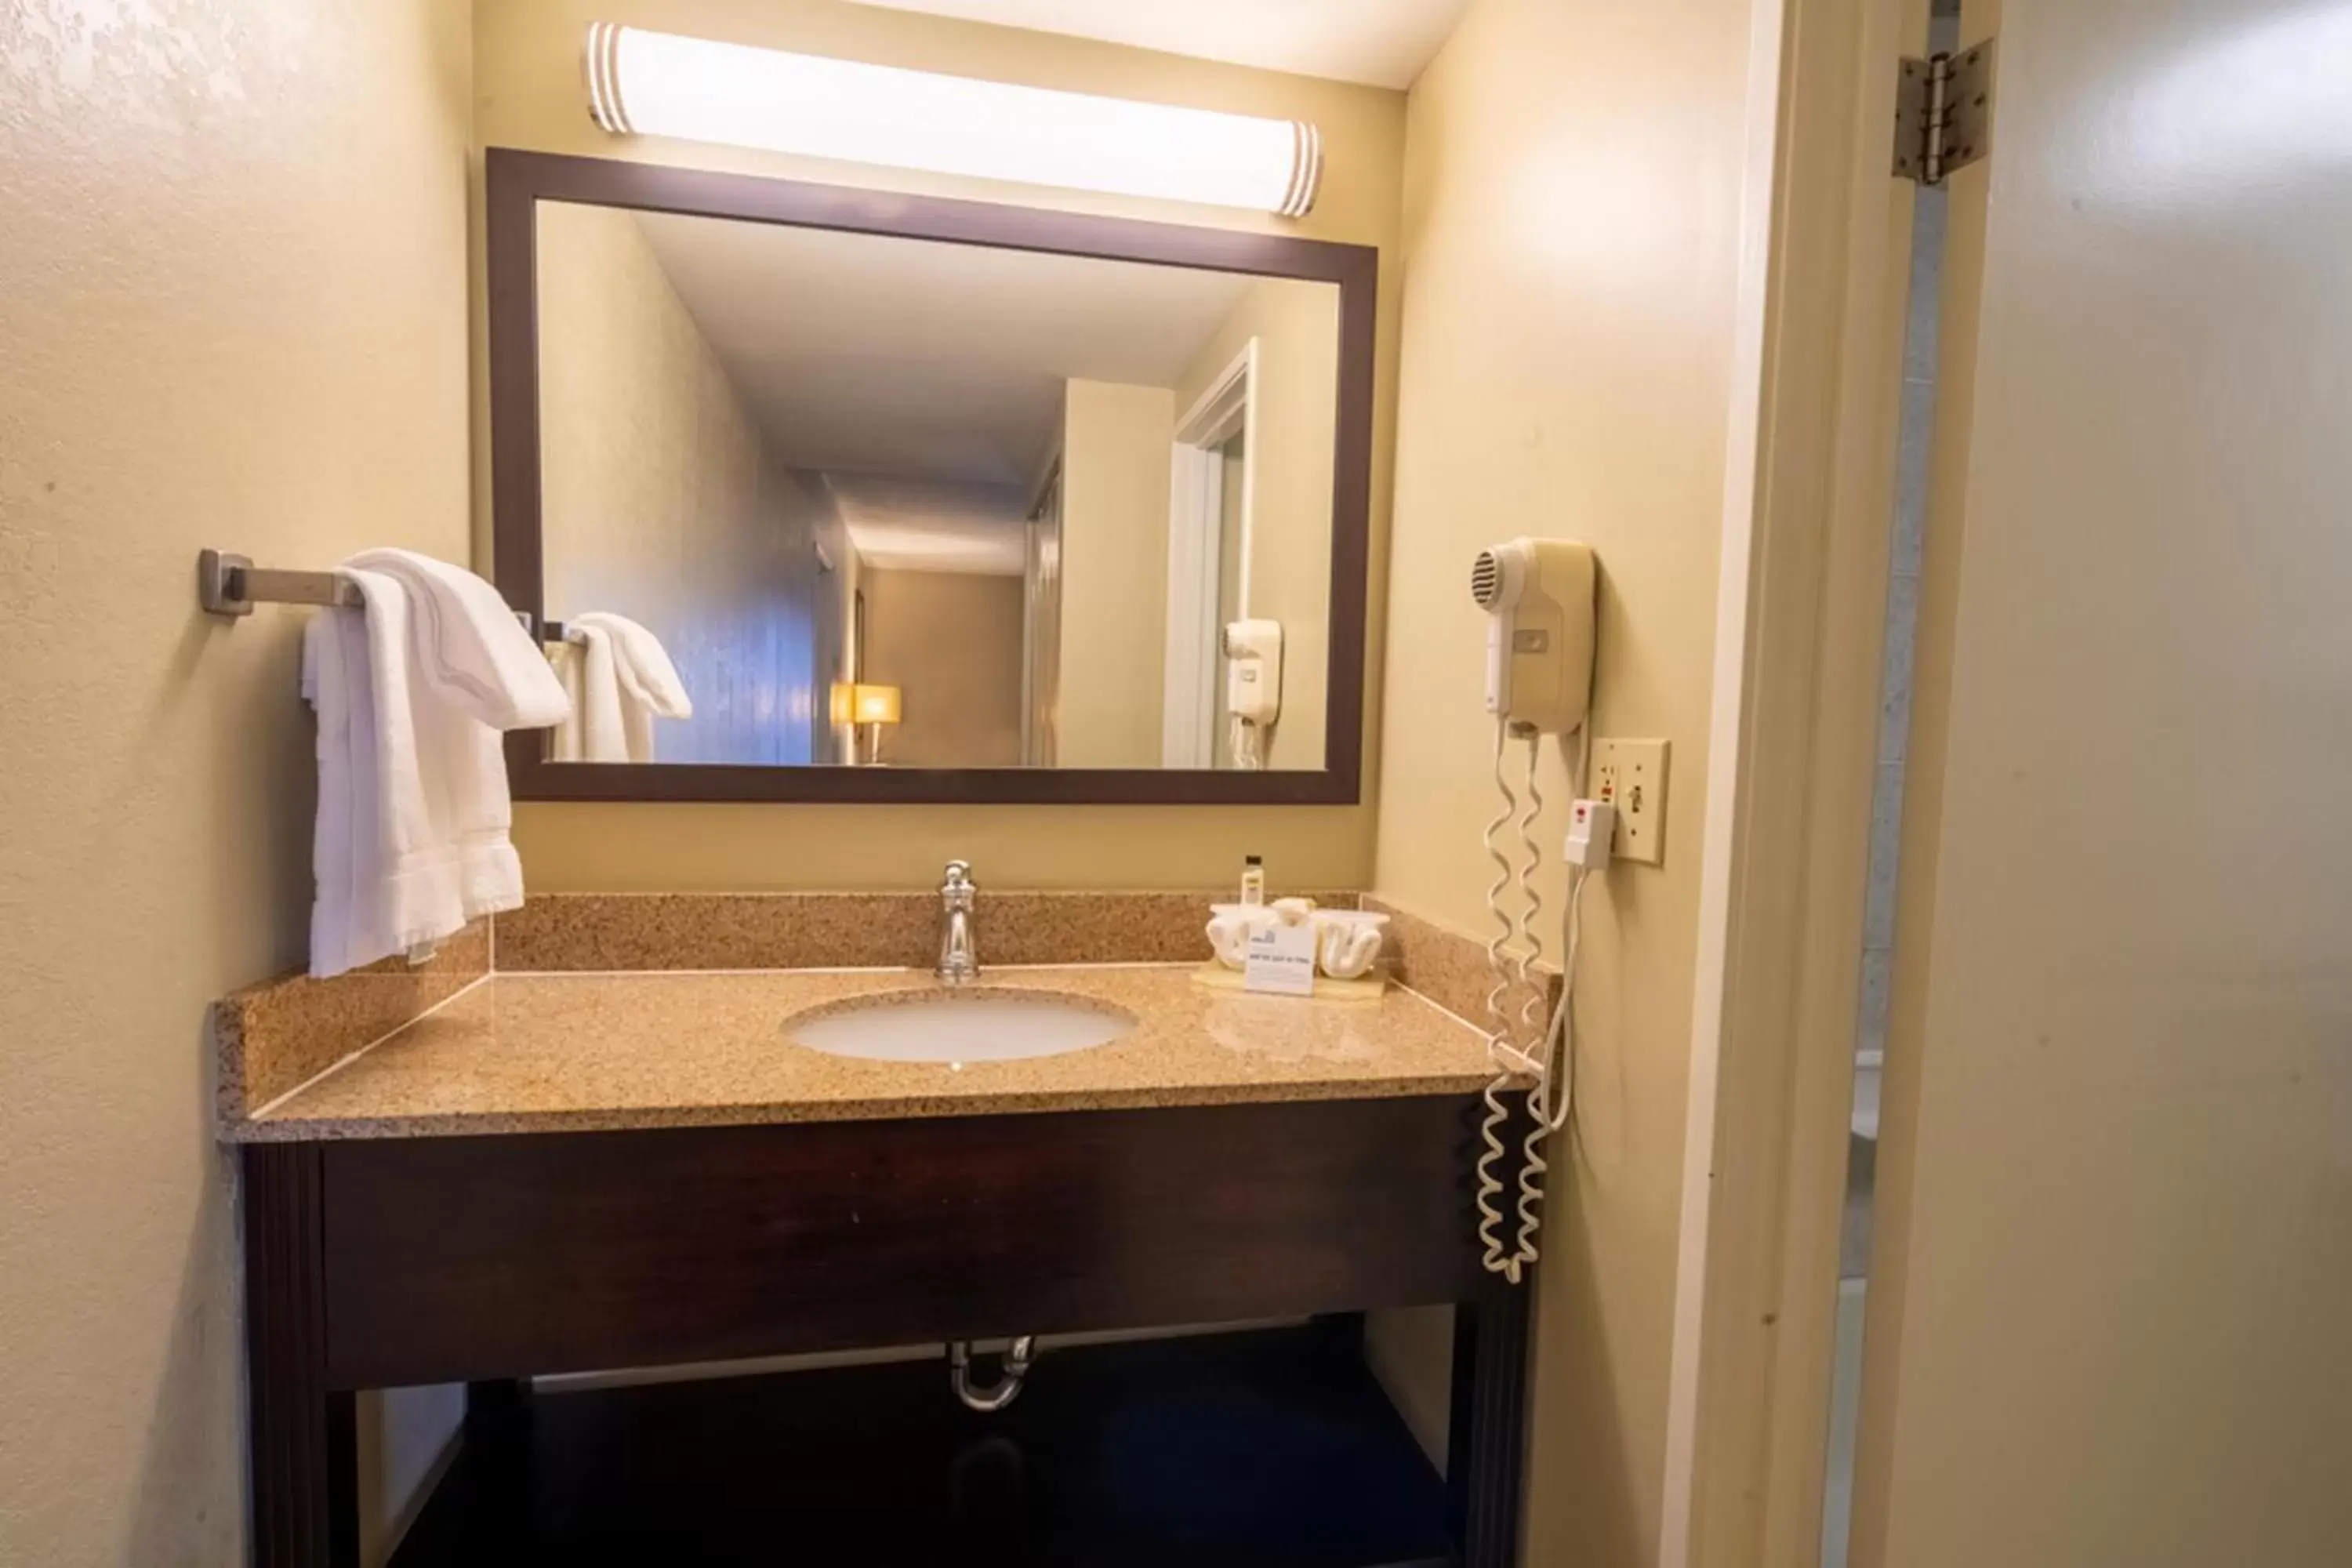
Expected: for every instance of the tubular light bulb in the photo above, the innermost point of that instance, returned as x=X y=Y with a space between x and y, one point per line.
x=659 y=84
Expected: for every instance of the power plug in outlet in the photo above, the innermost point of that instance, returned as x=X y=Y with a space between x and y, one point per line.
x=1632 y=777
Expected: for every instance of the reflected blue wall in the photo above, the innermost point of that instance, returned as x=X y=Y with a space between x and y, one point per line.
x=757 y=663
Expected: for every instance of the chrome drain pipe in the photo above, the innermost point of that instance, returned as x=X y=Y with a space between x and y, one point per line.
x=1018 y=1359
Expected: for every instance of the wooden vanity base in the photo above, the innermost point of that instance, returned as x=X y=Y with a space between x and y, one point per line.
x=402 y=1261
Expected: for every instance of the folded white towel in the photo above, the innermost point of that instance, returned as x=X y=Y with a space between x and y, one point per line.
x=336 y=682
x=647 y=674
x=469 y=646
x=650 y=687
x=598 y=729
x=412 y=839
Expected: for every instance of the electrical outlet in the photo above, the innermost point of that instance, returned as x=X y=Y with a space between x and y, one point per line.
x=1632 y=777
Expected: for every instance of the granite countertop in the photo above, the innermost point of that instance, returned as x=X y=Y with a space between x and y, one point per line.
x=537 y=1052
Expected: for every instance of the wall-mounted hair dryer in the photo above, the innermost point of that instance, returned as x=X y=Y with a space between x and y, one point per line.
x=1538 y=598
x=1252 y=651
x=1538 y=592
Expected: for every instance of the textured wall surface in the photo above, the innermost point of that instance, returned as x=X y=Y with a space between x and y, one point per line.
x=1115 y=461
x=1571 y=197
x=232 y=313
x=951 y=641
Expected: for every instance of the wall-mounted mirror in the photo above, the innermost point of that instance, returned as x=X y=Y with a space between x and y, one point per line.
x=826 y=494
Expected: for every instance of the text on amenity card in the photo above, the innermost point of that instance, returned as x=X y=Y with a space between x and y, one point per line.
x=1281 y=959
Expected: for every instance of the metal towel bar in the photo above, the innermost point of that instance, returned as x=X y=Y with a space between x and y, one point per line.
x=229 y=585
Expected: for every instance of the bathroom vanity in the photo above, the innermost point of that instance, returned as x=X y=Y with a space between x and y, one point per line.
x=562 y=1173
x=565 y=1173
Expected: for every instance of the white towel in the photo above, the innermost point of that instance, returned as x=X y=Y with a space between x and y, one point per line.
x=468 y=643
x=412 y=840
x=623 y=674
x=647 y=674
x=597 y=730
x=335 y=681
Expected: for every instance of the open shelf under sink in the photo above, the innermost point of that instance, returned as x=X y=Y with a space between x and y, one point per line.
x=1246 y=1450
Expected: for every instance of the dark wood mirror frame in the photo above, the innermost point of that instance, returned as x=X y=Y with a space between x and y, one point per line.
x=518 y=181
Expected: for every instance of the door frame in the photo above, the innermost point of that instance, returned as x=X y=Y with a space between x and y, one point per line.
x=1800 y=628
x=1226 y=407
x=1041 y=617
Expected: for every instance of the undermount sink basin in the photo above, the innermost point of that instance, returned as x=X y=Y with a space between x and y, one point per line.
x=987 y=1024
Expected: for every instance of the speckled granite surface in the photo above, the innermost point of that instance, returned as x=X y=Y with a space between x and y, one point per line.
x=574 y=933
x=1444 y=965
x=578 y=1052
x=272 y=1037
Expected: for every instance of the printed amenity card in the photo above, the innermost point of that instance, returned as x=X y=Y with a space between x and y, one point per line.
x=1281 y=959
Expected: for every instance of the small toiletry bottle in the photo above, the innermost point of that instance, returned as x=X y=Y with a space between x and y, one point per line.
x=1252 y=881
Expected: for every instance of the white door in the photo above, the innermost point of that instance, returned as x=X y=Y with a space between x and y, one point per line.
x=2111 y=1309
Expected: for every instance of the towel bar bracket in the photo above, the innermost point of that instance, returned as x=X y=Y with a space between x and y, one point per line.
x=229 y=585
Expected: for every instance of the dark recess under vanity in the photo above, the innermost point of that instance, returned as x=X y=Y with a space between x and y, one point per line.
x=1271 y=1449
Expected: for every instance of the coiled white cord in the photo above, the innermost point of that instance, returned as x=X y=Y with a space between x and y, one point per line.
x=1248 y=743
x=1530 y=935
x=1512 y=954
x=1558 y=1073
x=1498 y=1115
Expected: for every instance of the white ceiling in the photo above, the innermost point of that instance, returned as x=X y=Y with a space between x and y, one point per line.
x=930 y=525
x=1382 y=42
x=925 y=380
x=871 y=355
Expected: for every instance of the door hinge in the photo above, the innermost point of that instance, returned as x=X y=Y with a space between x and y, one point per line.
x=1943 y=113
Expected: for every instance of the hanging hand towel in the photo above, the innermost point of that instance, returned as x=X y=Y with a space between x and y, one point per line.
x=336 y=684
x=649 y=685
x=597 y=730
x=388 y=875
x=412 y=835
x=470 y=649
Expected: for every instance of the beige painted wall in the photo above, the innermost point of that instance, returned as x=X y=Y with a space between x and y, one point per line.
x=1115 y=478
x=664 y=500
x=233 y=313
x=1296 y=325
x=527 y=62
x=951 y=642
x=1572 y=187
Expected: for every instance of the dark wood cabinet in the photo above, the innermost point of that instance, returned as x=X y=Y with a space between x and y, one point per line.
x=399 y=1261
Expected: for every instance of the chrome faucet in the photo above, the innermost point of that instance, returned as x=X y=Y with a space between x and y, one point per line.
x=958 y=950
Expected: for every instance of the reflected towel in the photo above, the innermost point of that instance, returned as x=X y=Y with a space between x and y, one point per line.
x=597 y=730
x=650 y=687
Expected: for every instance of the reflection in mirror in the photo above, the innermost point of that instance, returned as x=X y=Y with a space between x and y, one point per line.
x=882 y=501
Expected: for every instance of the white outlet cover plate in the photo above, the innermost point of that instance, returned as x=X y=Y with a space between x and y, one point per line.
x=1632 y=777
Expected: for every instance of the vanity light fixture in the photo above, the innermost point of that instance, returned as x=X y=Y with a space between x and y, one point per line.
x=660 y=84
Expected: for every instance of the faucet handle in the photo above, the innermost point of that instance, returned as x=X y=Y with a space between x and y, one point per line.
x=958 y=875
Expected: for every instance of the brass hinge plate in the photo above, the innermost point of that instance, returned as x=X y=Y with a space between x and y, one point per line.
x=1943 y=113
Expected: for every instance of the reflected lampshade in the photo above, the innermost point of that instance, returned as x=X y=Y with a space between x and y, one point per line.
x=876 y=704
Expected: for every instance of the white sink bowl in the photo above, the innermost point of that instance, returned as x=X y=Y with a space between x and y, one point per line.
x=980 y=1024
